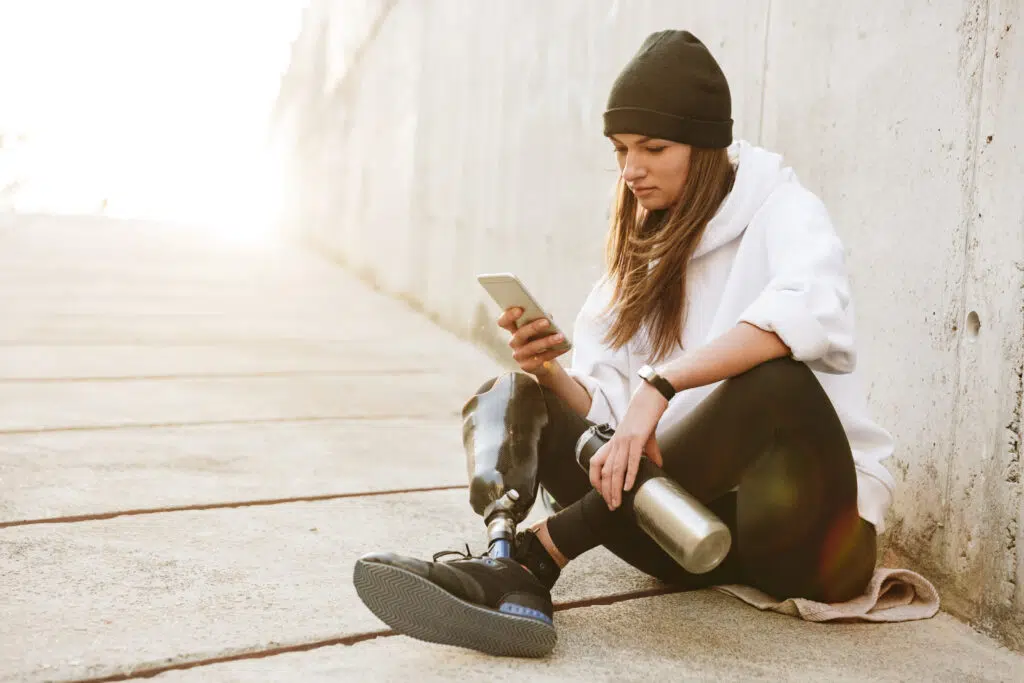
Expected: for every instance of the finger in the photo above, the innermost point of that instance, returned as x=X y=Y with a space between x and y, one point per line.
x=606 y=478
x=525 y=358
x=507 y=321
x=535 y=347
x=619 y=472
x=537 y=326
x=595 y=475
x=596 y=463
x=530 y=349
x=635 y=452
x=527 y=332
x=543 y=344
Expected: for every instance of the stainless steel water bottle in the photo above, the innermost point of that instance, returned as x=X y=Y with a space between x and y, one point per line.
x=683 y=526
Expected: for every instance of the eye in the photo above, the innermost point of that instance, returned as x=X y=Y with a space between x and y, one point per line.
x=620 y=150
x=656 y=150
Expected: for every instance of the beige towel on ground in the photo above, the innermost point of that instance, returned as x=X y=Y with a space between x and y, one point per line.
x=892 y=595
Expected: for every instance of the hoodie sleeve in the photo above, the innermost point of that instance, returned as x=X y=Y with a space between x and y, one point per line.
x=807 y=300
x=604 y=373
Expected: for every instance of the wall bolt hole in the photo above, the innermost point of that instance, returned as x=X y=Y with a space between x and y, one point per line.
x=973 y=323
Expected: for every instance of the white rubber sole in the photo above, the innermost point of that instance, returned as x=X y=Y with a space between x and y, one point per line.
x=414 y=606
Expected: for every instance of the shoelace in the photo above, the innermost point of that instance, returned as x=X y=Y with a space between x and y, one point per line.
x=468 y=555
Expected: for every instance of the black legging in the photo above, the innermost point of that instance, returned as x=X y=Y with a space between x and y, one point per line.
x=772 y=435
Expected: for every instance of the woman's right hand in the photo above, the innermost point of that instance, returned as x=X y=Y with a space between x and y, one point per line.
x=530 y=355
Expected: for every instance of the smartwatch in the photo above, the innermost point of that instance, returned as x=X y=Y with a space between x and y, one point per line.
x=649 y=375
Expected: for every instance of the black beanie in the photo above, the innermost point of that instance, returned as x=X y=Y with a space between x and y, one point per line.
x=672 y=89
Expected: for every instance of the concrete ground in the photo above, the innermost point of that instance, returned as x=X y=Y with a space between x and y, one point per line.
x=199 y=437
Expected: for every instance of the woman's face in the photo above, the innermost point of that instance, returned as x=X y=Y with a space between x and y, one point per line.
x=655 y=170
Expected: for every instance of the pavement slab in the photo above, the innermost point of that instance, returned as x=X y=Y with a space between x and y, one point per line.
x=203 y=328
x=65 y=362
x=61 y=474
x=695 y=636
x=33 y=407
x=142 y=591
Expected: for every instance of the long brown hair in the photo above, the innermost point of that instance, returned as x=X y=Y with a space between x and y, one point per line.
x=651 y=298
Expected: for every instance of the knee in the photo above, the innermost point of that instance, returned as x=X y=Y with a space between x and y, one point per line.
x=519 y=386
x=513 y=390
x=485 y=386
x=782 y=377
x=510 y=378
x=780 y=370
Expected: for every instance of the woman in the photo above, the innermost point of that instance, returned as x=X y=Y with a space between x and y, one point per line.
x=726 y=275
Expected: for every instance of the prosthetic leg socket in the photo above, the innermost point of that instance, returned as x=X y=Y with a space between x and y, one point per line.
x=501 y=428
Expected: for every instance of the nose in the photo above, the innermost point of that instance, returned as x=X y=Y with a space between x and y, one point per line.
x=632 y=168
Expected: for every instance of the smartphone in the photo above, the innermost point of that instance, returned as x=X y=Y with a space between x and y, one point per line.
x=508 y=292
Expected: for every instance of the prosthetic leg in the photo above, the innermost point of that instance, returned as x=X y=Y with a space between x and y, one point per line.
x=500 y=432
x=491 y=603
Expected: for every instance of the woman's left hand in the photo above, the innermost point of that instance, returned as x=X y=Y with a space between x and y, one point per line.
x=613 y=468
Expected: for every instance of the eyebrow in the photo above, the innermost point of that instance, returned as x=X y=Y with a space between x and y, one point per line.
x=640 y=141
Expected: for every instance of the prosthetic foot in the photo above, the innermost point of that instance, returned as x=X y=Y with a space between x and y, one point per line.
x=493 y=605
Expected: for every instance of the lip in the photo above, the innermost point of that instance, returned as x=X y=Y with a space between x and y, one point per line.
x=641 y=191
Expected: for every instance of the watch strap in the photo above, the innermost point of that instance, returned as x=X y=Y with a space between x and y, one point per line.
x=649 y=375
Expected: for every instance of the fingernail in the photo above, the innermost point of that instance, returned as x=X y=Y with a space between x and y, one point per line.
x=559 y=337
x=543 y=323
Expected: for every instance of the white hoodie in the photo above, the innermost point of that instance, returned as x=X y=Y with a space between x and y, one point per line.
x=769 y=257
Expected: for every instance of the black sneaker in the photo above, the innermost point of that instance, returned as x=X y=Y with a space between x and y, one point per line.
x=491 y=605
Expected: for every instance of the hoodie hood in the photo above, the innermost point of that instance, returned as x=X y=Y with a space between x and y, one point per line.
x=758 y=173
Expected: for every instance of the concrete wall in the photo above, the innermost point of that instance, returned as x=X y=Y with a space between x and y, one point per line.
x=434 y=139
